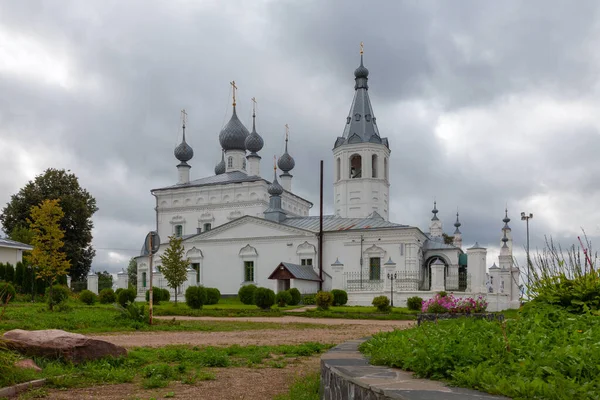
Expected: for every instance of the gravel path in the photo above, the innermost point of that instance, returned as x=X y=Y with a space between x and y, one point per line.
x=341 y=330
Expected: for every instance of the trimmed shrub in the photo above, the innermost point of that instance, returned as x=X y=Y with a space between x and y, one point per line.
x=283 y=298
x=213 y=295
x=19 y=272
x=60 y=294
x=414 y=303
x=88 y=297
x=324 y=300
x=246 y=294
x=165 y=295
x=195 y=297
x=107 y=296
x=382 y=303
x=119 y=290
x=158 y=295
x=296 y=296
x=340 y=297
x=264 y=298
x=9 y=273
x=2 y=271
x=6 y=290
x=126 y=296
x=309 y=300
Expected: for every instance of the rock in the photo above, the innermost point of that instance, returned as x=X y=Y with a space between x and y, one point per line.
x=27 y=364
x=54 y=343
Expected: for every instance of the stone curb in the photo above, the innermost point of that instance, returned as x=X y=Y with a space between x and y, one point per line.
x=21 y=387
x=347 y=374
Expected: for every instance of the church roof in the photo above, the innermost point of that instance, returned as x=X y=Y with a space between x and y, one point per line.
x=335 y=223
x=304 y=272
x=361 y=124
x=437 y=244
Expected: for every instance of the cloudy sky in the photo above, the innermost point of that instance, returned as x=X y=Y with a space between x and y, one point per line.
x=485 y=103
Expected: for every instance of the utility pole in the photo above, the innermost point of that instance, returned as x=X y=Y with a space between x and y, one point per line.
x=150 y=255
x=526 y=217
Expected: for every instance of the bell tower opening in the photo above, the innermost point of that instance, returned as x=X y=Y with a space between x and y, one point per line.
x=355 y=166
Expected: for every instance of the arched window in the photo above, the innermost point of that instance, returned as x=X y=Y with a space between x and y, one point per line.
x=230 y=162
x=178 y=230
x=355 y=166
x=339 y=169
x=374 y=166
x=143 y=279
x=385 y=168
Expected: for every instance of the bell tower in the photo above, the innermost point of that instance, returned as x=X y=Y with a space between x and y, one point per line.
x=361 y=158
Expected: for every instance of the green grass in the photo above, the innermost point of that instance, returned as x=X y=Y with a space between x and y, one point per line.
x=105 y=318
x=360 y=312
x=543 y=353
x=157 y=367
x=305 y=388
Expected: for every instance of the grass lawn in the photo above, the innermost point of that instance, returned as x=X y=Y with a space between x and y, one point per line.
x=155 y=368
x=305 y=388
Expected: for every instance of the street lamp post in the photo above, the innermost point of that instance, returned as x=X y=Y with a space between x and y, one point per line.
x=391 y=277
x=526 y=217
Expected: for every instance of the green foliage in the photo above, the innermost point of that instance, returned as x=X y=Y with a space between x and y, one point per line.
x=340 y=297
x=9 y=273
x=7 y=292
x=2 y=271
x=324 y=300
x=309 y=299
x=28 y=279
x=132 y=272
x=195 y=297
x=264 y=298
x=87 y=297
x=174 y=264
x=213 y=295
x=105 y=280
x=158 y=295
x=107 y=296
x=19 y=272
x=443 y=293
x=283 y=298
x=126 y=296
x=119 y=290
x=382 y=303
x=246 y=294
x=303 y=388
x=78 y=206
x=57 y=294
x=414 y=303
x=296 y=296
x=133 y=312
x=544 y=353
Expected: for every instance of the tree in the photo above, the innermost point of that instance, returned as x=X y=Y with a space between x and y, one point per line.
x=174 y=266
x=78 y=207
x=105 y=280
x=132 y=272
x=448 y=239
x=47 y=255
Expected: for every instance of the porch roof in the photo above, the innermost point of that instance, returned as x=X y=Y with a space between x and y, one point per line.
x=295 y=271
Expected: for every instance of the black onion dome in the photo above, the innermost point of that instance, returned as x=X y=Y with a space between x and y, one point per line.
x=220 y=167
x=286 y=162
x=275 y=189
x=254 y=142
x=183 y=152
x=361 y=71
x=233 y=135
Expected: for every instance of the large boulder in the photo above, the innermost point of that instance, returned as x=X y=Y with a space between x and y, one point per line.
x=54 y=343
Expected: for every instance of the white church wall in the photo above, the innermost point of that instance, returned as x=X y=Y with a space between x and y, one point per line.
x=305 y=287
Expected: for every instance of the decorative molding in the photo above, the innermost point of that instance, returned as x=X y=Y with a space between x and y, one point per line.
x=248 y=251
x=177 y=219
x=235 y=215
x=194 y=253
x=306 y=249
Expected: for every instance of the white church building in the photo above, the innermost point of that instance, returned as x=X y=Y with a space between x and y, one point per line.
x=242 y=226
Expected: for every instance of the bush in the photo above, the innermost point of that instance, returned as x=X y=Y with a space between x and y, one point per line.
x=296 y=296
x=195 y=297
x=340 y=297
x=165 y=295
x=382 y=303
x=449 y=304
x=19 y=273
x=158 y=295
x=246 y=294
x=324 y=300
x=213 y=295
x=414 y=303
x=2 y=271
x=309 y=300
x=119 y=290
x=6 y=290
x=60 y=294
x=107 y=296
x=88 y=297
x=283 y=298
x=126 y=296
x=9 y=273
x=264 y=298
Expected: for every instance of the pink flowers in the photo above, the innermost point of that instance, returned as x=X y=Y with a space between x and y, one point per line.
x=449 y=304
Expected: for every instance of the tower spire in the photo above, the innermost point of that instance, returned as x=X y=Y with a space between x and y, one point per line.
x=457 y=224
x=435 y=211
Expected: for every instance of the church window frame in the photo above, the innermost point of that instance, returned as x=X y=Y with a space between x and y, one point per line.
x=368 y=117
x=144 y=279
x=244 y=164
x=178 y=230
x=207 y=226
x=230 y=162
x=355 y=166
x=374 y=268
x=248 y=270
x=196 y=267
x=374 y=160
x=306 y=261
x=386 y=168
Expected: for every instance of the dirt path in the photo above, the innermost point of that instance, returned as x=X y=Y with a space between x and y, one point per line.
x=341 y=331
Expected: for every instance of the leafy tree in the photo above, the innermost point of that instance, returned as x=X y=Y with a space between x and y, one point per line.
x=78 y=207
x=27 y=286
x=174 y=266
x=19 y=271
x=9 y=273
x=47 y=255
x=2 y=271
x=448 y=239
x=105 y=280
x=132 y=272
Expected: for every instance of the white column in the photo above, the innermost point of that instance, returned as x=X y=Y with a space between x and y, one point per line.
x=286 y=181
x=437 y=276
x=122 y=280
x=92 y=282
x=253 y=165
x=337 y=275
x=183 y=172
x=476 y=261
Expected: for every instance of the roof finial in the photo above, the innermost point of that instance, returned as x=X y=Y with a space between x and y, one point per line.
x=287 y=135
x=234 y=88
x=457 y=224
x=275 y=163
x=434 y=211
x=253 y=114
x=362 y=46
x=183 y=121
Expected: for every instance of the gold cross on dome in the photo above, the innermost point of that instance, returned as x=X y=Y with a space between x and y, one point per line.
x=361 y=48
x=287 y=131
x=234 y=88
x=183 y=116
x=253 y=104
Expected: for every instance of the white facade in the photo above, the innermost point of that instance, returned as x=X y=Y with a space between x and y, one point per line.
x=12 y=252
